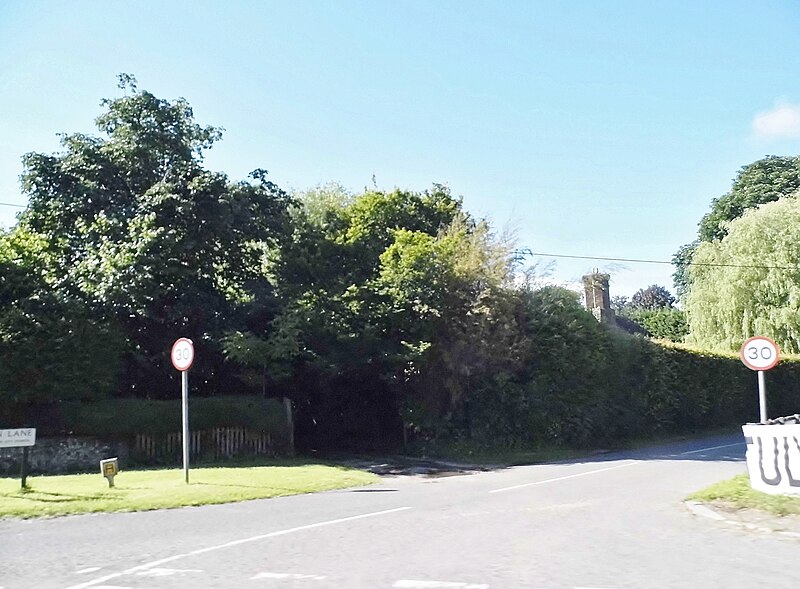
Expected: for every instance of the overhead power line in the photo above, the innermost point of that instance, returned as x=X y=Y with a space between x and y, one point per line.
x=10 y=204
x=640 y=261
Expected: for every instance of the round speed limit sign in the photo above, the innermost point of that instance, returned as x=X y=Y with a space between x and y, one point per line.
x=182 y=354
x=760 y=353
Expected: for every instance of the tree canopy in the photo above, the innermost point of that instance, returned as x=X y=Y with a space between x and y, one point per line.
x=130 y=223
x=652 y=298
x=653 y=309
x=763 y=181
x=749 y=283
x=383 y=315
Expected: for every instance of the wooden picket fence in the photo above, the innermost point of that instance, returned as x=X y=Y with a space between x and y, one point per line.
x=215 y=444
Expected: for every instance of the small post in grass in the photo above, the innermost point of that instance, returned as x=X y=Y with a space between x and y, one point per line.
x=109 y=468
x=23 y=468
x=19 y=438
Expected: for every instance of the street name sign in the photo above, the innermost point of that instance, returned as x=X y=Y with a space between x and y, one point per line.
x=17 y=438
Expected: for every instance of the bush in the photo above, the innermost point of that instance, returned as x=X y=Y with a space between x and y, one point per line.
x=116 y=418
x=587 y=384
x=668 y=324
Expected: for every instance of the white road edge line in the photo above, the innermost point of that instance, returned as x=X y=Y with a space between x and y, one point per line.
x=84 y=571
x=711 y=448
x=155 y=563
x=569 y=476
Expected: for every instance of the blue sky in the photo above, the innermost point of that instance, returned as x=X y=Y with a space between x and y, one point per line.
x=590 y=128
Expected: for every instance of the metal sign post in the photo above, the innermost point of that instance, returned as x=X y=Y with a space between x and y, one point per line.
x=185 y=422
x=762 y=397
x=760 y=354
x=182 y=357
x=19 y=438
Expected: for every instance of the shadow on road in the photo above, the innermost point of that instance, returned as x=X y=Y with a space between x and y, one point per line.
x=729 y=448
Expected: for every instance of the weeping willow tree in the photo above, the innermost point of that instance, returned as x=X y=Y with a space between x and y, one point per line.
x=748 y=283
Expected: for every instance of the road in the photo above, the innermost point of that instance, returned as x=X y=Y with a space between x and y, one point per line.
x=612 y=522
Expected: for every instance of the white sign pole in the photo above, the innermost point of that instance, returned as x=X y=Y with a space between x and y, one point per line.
x=760 y=354
x=182 y=356
x=762 y=396
x=185 y=422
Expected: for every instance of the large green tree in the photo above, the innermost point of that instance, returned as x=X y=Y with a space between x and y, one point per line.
x=653 y=309
x=138 y=229
x=749 y=283
x=450 y=302
x=394 y=305
x=51 y=347
x=763 y=181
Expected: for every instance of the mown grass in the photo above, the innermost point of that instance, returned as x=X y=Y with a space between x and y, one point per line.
x=143 y=490
x=738 y=494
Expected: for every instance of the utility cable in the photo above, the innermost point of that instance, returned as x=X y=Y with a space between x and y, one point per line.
x=528 y=252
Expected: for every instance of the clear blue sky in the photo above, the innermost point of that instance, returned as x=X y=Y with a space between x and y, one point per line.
x=592 y=128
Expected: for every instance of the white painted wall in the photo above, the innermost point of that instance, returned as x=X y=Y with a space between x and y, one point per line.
x=773 y=458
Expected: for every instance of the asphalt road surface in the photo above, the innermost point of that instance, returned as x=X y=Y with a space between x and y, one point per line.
x=612 y=522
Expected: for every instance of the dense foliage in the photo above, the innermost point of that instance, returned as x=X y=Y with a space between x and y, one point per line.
x=653 y=310
x=753 y=288
x=652 y=298
x=121 y=418
x=761 y=182
x=127 y=233
x=666 y=324
x=388 y=317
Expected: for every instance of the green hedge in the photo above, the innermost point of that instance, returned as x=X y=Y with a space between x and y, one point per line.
x=590 y=385
x=113 y=418
x=668 y=324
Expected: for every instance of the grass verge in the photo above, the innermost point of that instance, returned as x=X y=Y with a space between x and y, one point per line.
x=162 y=489
x=738 y=494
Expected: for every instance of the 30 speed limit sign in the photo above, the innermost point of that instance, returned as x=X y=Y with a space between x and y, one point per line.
x=760 y=353
x=182 y=354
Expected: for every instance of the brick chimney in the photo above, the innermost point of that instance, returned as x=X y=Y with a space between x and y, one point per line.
x=598 y=299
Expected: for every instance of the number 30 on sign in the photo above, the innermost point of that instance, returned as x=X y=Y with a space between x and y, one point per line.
x=760 y=353
x=182 y=354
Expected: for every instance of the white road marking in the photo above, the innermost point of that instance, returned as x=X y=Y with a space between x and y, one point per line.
x=581 y=474
x=569 y=476
x=156 y=572
x=411 y=584
x=84 y=571
x=711 y=448
x=155 y=563
x=287 y=576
